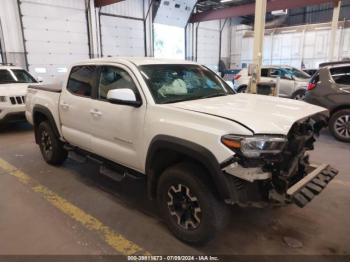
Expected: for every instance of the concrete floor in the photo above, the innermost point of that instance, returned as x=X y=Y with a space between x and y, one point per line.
x=31 y=225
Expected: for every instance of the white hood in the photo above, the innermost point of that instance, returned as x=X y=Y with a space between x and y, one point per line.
x=261 y=114
x=19 y=89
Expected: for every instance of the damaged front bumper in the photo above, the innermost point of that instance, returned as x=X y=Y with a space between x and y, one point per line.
x=311 y=185
x=253 y=187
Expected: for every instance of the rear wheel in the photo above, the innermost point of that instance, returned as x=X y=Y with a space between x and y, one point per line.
x=188 y=206
x=339 y=125
x=242 y=89
x=50 y=146
x=299 y=95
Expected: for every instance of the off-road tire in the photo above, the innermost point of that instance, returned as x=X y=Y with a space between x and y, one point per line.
x=334 y=121
x=214 y=213
x=50 y=146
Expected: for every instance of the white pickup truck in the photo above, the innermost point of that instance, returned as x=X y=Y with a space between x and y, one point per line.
x=13 y=89
x=200 y=146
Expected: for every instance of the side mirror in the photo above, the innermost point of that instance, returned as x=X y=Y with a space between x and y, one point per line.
x=123 y=96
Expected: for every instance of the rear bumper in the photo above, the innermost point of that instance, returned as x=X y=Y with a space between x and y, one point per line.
x=311 y=185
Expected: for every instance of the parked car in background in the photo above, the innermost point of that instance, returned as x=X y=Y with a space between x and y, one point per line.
x=293 y=82
x=310 y=72
x=13 y=89
x=330 y=88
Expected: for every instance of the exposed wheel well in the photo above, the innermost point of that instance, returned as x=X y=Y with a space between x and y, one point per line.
x=239 y=89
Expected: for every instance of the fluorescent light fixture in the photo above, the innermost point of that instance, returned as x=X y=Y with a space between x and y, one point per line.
x=225 y=1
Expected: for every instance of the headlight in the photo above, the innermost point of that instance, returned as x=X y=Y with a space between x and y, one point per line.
x=3 y=99
x=254 y=146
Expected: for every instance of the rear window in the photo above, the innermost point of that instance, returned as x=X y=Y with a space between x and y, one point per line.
x=341 y=75
x=315 y=78
x=81 y=80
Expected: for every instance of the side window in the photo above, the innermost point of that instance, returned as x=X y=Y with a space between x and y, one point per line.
x=274 y=72
x=81 y=80
x=341 y=75
x=114 y=78
x=264 y=72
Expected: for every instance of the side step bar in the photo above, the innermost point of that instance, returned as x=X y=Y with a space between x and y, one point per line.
x=311 y=185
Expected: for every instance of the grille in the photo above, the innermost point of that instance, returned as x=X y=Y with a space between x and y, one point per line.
x=17 y=100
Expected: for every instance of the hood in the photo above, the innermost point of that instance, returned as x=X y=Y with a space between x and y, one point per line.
x=261 y=114
x=13 y=89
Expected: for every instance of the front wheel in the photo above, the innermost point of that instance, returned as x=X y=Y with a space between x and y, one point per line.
x=188 y=206
x=50 y=146
x=299 y=95
x=339 y=125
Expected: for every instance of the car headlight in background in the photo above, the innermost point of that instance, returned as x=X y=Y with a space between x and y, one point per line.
x=254 y=146
x=2 y=99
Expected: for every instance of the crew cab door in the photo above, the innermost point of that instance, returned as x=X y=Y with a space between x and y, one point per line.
x=116 y=128
x=75 y=105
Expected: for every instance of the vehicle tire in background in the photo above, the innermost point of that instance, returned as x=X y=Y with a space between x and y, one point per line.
x=50 y=146
x=188 y=205
x=242 y=89
x=339 y=125
x=299 y=95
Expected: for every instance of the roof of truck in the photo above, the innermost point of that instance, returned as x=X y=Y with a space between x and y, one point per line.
x=138 y=60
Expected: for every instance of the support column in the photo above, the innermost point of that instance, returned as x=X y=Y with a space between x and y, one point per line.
x=259 y=30
x=336 y=12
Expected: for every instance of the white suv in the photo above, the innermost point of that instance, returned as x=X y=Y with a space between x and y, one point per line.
x=13 y=88
x=293 y=82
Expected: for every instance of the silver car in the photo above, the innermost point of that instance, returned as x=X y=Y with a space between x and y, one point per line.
x=292 y=84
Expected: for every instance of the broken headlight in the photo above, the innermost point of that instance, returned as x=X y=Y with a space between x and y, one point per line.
x=254 y=146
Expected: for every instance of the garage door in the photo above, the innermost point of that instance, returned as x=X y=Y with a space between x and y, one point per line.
x=55 y=34
x=208 y=45
x=122 y=36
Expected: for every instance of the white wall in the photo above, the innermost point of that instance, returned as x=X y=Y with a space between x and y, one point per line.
x=290 y=46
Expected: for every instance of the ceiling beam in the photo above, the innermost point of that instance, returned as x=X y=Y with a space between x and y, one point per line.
x=100 y=3
x=249 y=9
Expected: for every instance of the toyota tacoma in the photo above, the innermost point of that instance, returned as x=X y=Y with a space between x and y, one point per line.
x=200 y=146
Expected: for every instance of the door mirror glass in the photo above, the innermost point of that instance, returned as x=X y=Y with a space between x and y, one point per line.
x=123 y=96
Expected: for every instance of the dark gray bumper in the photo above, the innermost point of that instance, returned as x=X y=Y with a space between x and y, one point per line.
x=311 y=185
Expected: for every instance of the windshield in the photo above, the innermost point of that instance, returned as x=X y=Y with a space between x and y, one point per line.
x=297 y=73
x=177 y=83
x=8 y=76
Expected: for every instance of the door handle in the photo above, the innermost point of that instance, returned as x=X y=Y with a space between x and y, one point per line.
x=95 y=112
x=64 y=105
